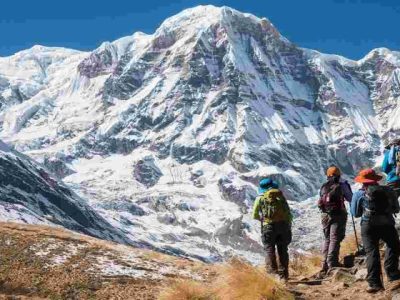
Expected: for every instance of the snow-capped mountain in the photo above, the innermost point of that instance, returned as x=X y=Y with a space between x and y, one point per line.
x=166 y=135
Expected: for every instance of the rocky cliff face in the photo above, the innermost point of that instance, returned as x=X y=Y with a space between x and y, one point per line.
x=182 y=123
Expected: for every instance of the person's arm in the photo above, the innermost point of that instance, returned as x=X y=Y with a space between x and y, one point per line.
x=393 y=195
x=386 y=168
x=256 y=209
x=348 y=194
x=289 y=211
x=396 y=205
x=356 y=208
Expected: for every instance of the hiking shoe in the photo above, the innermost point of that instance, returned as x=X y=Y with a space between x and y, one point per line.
x=283 y=278
x=320 y=275
x=374 y=289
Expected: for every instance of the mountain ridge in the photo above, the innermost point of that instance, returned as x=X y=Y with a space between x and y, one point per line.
x=166 y=135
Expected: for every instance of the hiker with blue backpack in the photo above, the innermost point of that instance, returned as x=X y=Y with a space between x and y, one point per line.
x=376 y=204
x=333 y=194
x=391 y=165
x=272 y=209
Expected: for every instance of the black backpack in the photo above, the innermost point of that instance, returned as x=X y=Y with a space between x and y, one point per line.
x=331 y=197
x=380 y=200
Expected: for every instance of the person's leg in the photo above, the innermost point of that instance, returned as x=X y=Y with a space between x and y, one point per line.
x=269 y=241
x=283 y=240
x=370 y=238
x=337 y=234
x=325 y=222
x=392 y=252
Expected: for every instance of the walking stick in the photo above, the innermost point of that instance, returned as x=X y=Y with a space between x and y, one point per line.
x=355 y=234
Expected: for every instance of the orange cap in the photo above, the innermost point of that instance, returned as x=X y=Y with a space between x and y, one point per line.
x=333 y=171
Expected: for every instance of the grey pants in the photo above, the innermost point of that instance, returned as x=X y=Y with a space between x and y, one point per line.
x=334 y=228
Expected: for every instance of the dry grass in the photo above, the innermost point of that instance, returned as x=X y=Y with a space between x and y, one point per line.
x=240 y=280
x=25 y=275
x=236 y=280
x=349 y=245
x=186 y=290
x=305 y=264
x=309 y=264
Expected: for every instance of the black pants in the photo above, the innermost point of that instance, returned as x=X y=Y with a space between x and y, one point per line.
x=371 y=235
x=277 y=236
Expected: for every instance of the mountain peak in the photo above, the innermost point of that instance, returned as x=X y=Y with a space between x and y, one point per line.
x=202 y=16
x=387 y=54
x=44 y=51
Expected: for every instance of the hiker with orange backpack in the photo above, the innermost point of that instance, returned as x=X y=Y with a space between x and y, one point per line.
x=333 y=193
x=272 y=209
x=376 y=204
x=391 y=165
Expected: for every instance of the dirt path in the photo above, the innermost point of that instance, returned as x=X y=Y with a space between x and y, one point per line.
x=338 y=288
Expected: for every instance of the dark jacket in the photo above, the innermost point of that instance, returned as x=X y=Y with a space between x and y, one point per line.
x=346 y=189
x=359 y=204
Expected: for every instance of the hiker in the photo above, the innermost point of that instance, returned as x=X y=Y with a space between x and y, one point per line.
x=391 y=165
x=272 y=209
x=376 y=204
x=333 y=193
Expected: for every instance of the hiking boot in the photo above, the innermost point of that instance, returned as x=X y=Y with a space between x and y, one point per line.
x=283 y=277
x=372 y=289
x=336 y=265
x=321 y=274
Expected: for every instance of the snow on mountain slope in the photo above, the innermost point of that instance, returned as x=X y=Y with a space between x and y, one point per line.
x=166 y=135
x=30 y=194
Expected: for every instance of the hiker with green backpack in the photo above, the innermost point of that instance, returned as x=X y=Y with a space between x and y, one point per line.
x=333 y=194
x=272 y=209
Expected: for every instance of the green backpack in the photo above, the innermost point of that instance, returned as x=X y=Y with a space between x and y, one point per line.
x=274 y=207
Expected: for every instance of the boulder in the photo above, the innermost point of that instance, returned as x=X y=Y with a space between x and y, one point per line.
x=146 y=172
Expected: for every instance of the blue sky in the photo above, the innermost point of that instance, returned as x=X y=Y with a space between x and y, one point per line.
x=347 y=27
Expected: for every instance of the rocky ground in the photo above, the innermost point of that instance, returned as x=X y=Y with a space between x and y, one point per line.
x=44 y=262
x=41 y=262
x=340 y=284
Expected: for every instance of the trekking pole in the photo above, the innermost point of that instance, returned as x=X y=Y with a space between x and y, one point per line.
x=355 y=231
x=355 y=234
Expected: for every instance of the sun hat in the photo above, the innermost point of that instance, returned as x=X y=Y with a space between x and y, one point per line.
x=368 y=176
